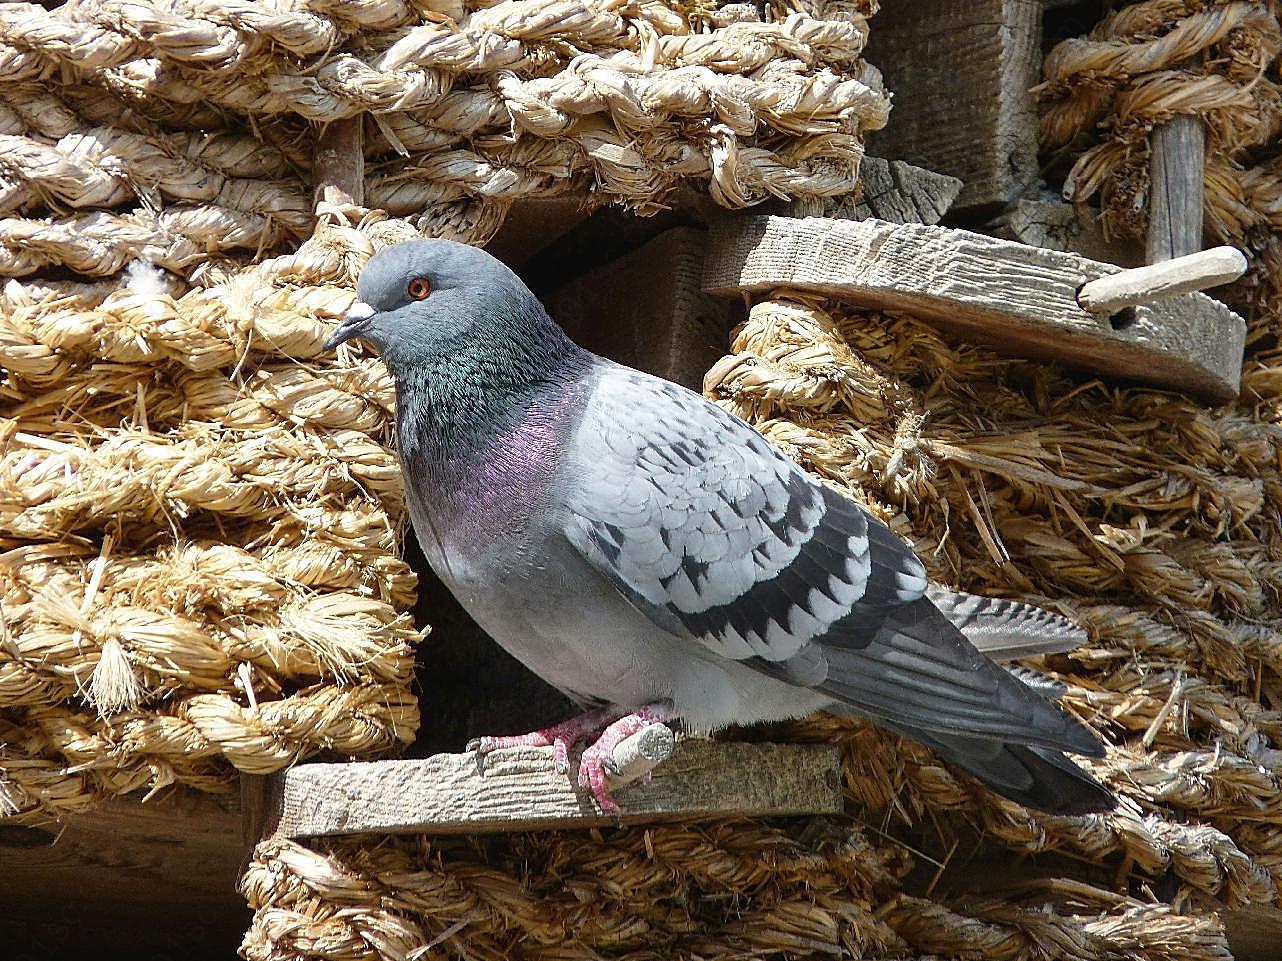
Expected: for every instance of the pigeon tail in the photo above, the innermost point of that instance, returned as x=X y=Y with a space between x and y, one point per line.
x=1035 y=777
x=1006 y=630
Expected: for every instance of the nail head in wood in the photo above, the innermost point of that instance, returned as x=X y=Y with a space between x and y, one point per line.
x=519 y=789
x=636 y=756
x=1168 y=278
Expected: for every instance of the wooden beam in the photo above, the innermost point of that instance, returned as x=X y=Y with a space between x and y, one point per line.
x=178 y=852
x=533 y=224
x=962 y=72
x=1020 y=300
x=1254 y=932
x=1177 y=168
x=890 y=190
x=519 y=789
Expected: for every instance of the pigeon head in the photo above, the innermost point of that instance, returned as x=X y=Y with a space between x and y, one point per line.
x=422 y=300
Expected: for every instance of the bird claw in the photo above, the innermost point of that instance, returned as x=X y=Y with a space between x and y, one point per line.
x=596 y=761
x=560 y=737
x=592 y=773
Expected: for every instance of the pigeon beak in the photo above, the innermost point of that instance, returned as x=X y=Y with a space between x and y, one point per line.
x=352 y=324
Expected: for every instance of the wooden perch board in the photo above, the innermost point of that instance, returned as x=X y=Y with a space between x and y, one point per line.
x=1020 y=300
x=962 y=72
x=518 y=789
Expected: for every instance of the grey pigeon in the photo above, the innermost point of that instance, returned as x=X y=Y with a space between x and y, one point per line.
x=653 y=557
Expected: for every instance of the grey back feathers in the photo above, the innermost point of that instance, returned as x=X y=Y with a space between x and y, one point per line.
x=670 y=554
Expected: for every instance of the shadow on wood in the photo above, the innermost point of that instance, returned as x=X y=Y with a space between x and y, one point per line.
x=126 y=880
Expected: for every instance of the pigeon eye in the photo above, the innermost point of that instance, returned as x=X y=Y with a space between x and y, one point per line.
x=419 y=288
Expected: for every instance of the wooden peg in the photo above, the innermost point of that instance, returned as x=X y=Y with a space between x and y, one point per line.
x=1168 y=278
x=636 y=756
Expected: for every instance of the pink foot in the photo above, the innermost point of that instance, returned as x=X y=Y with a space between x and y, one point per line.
x=596 y=758
x=562 y=737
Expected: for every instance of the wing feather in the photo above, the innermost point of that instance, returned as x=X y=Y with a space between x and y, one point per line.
x=720 y=538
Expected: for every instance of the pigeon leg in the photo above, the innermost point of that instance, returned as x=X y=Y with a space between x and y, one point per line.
x=562 y=737
x=593 y=764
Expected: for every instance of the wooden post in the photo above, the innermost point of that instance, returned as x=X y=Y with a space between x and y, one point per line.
x=339 y=172
x=962 y=72
x=1176 y=176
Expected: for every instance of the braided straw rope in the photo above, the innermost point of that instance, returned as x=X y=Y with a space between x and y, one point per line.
x=673 y=891
x=1154 y=59
x=470 y=107
x=200 y=567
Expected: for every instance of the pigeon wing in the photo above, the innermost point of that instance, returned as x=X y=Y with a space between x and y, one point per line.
x=718 y=537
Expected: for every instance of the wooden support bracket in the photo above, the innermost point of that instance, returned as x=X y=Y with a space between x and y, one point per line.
x=519 y=789
x=1020 y=300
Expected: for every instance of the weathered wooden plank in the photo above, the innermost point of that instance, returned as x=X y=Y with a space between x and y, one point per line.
x=962 y=71
x=1254 y=932
x=1020 y=300
x=891 y=190
x=533 y=224
x=1176 y=170
x=1060 y=226
x=648 y=309
x=1167 y=278
x=180 y=851
x=519 y=789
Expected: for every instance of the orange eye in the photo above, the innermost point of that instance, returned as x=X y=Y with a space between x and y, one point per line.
x=419 y=288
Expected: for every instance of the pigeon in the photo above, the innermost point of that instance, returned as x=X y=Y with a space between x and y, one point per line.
x=653 y=557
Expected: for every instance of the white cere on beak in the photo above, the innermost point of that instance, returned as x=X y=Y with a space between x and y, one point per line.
x=357 y=312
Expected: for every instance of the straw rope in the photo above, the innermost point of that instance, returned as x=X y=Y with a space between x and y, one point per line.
x=1154 y=520
x=200 y=568
x=1148 y=61
x=634 y=893
x=492 y=105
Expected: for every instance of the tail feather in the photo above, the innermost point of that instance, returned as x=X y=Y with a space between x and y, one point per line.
x=1033 y=776
x=914 y=672
x=1006 y=630
x=915 y=668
